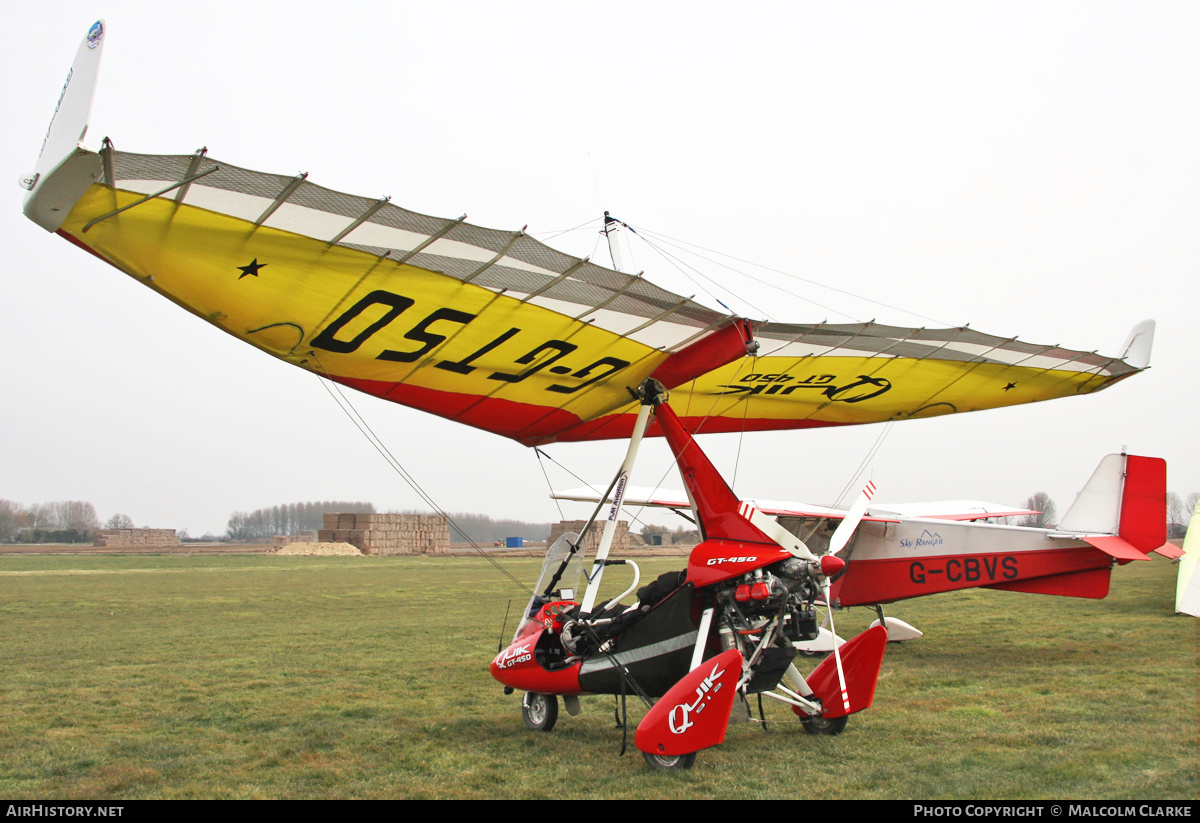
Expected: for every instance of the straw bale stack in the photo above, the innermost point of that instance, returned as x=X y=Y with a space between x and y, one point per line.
x=304 y=548
x=388 y=533
x=591 y=540
x=132 y=538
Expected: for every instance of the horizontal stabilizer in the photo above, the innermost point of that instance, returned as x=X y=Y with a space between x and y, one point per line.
x=1115 y=546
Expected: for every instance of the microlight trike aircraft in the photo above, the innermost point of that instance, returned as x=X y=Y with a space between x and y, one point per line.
x=701 y=639
x=497 y=331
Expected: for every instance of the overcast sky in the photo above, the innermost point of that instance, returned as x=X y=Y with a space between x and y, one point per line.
x=1028 y=168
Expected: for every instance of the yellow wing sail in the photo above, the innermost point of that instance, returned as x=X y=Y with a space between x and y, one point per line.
x=498 y=331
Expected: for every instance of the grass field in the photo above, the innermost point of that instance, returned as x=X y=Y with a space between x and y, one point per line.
x=270 y=677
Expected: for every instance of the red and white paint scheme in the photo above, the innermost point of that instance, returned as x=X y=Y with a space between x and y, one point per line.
x=898 y=552
x=1119 y=516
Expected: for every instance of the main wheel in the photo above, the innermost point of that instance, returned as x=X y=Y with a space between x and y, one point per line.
x=667 y=763
x=824 y=725
x=540 y=711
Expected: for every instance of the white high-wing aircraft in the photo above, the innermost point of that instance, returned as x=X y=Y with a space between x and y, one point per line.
x=901 y=551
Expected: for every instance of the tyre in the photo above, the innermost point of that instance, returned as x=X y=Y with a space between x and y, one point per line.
x=540 y=711
x=668 y=763
x=824 y=725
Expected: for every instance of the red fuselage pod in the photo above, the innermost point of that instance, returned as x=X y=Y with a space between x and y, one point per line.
x=715 y=561
x=519 y=666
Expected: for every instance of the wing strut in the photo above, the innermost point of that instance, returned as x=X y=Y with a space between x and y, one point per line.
x=648 y=394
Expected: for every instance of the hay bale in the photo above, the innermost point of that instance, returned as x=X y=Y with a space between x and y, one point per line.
x=324 y=549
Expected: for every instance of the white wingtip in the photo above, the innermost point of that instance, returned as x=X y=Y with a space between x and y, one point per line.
x=1136 y=351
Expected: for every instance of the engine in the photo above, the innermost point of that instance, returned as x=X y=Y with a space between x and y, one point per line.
x=783 y=591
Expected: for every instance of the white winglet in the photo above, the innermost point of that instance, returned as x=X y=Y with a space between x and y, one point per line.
x=64 y=170
x=1136 y=351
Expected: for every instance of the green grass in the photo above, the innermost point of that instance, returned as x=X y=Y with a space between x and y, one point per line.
x=269 y=677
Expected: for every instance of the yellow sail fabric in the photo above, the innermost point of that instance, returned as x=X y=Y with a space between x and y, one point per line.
x=500 y=332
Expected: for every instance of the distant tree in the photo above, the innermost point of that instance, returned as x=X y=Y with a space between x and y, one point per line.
x=288 y=518
x=1177 y=515
x=1048 y=512
x=13 y=518
x=1190 y=504
x=64 y=521
x=650 y=529
x=685 y=536
x=466 y=527
x=119 y=521
x=79 y=515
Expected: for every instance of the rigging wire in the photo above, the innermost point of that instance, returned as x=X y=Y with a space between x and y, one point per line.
x=541 y=454
x=551 y=234
x=675 y=240
x=680 y=264
x=377 y=443
x=737 y=461
x=852 y=481
x=550 y=486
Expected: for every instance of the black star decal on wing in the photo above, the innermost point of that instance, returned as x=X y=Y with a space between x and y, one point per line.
x=251 y=269
x=1010 y=386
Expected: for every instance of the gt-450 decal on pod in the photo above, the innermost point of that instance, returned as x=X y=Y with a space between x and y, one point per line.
x=513 y=656
x=717 y=561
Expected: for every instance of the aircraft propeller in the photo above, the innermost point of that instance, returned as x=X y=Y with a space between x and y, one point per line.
x=831 y=565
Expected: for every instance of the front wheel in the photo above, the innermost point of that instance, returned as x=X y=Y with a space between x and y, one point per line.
x=827 y=726
x=667 y=763
x=540 y=711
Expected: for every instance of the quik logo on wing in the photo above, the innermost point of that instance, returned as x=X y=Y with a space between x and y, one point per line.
x=852 y=391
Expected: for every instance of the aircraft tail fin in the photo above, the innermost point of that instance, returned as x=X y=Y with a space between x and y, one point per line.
x=1123 y=508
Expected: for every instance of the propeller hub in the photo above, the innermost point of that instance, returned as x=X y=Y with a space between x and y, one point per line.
x=831 y=565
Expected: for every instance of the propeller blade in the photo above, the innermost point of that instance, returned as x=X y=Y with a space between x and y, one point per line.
x=837 y=655
x=853 y=517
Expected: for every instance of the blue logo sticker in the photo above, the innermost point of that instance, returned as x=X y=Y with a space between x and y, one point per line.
x=95 y=34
